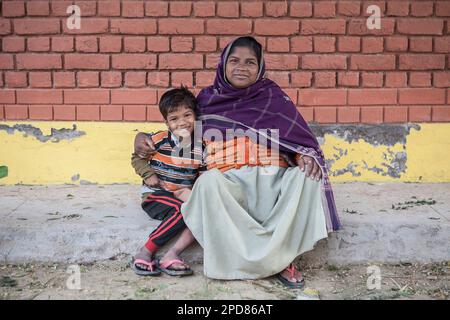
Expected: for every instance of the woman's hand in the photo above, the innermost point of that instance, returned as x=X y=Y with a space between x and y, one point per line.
x=143 y=146
x=312 y=167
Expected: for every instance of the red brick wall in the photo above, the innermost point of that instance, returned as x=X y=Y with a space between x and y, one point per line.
x=127 y=52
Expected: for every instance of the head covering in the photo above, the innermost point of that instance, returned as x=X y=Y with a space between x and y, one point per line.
x=261 y=106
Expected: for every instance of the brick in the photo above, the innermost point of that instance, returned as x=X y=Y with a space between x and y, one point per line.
x=323 y=26
x=228 y=9
x=301 y=79
x=420 y=26
x=204 y=9
x=88 y=113
x=397 y=8
x=180 y=9
x=133 y=26
x=441 y=79
x=212 y=60
x=420 y=114
x=325 y=9
x=132 y=9
x=135 y=79
x=134 y=44
x=234 y=26
x=325 y=115
x=87 y=79
x=278 y=45
x=180 y=26
x=37 y=26
x=372 y=80
x=134 y=113
x=6 y=61
x=86 y=61
x=251 y=9
x=301 y=44
x=379 y=4
x=90 y=26
x=13 y=44
x=396 y=79
x=349 y=8
x=396 y=43
x=421 y=44
x=182 y=44
x=441 y=114
x=58 y=8
x=348 y=114
x=182 y=78
x=372 y=45
x=16 y=112
x=421 y=96
x=324 y=61
x=64 y=79
x=16 y=79
x=38 y=8
x=156 y=9
x=7 y=96
x=62 y=44
x=88 y=8
x=111 y=79
x=134 y=61
x=324 y=44
x=133 y=96
x=396 y=114
x=39 y=96
x=86 y=96
x=38 y=61
x=87 y=44
x=442 y=44
x=2 y=112
x=158 y=44
x=421 y=9
x=325 y=79
x=111 y=113
x=420 y=79
x=372 y=115
x=153 y=114
x=281 y=61
x=13 y=9
x=349 y=44
x=307 y=113
x=372 y=96
x=40 y=79
x=301 y=9
x=205 y=78
x=443 y=9
x=372 y=62
x=322 y=97
x=276 y=9
x=158 y=79
x=421 y=61
x=38 y=44
x=111 y=44
x=64 y=112
x=348 y=79
x=43 y=112
x=180 y=61
x=5 y=26
x=279 y=77
x=205 y=44
x=359 y=27
x=272 y=27
x=109 y=8
x=293 y=95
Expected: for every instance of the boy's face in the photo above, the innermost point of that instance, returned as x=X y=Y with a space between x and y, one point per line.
x=181 y=121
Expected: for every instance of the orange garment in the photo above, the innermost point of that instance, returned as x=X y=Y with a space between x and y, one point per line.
x=238 y=152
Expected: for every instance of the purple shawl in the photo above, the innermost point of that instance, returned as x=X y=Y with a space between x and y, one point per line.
x=263 y=105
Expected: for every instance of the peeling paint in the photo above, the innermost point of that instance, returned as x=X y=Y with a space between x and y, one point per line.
x=56 y=135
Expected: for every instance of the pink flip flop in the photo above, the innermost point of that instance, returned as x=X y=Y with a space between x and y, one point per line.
x=165 y=267
x=152 y=271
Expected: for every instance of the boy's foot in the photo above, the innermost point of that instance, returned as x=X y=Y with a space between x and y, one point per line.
x=143 y=263
x=291 y=277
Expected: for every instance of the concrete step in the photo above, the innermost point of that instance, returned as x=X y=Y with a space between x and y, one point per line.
x=73 y=223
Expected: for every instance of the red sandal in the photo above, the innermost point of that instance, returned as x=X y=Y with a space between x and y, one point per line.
x=294 y=285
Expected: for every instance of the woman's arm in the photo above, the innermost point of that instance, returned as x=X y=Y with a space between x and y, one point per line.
x=312 y=167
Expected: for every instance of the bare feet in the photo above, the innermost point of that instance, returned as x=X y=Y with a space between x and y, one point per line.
x=146 y=255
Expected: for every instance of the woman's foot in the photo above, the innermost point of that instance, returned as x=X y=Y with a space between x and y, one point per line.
x=291 y=277
x=172 y=264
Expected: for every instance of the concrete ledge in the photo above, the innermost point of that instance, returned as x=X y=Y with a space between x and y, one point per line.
x=89 y=223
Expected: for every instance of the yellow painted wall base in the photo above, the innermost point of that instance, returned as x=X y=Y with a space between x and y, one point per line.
x=101 y=152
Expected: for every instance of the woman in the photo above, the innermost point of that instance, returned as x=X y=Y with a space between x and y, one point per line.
x=254 y=211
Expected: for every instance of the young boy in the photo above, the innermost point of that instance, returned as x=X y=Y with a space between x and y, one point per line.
x=168 y=175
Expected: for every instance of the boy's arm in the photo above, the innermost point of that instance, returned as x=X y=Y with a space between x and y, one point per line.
x=141 y=166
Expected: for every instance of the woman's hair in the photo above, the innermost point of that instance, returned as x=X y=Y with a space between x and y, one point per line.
x=175 y=98
x=248 y=42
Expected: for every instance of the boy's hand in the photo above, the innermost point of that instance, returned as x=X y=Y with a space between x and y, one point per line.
x=144 y=146
x=152 y=181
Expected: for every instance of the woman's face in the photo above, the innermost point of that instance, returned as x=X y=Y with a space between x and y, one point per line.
x=242 y=67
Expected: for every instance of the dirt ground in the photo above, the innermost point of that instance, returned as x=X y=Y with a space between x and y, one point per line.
x=113 y=279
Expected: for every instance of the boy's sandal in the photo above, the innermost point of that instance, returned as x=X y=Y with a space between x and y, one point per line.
x=165 y=267
x=150 y=271
x=293 y=285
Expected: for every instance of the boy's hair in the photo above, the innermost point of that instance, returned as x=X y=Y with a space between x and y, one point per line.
x=173 y=99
